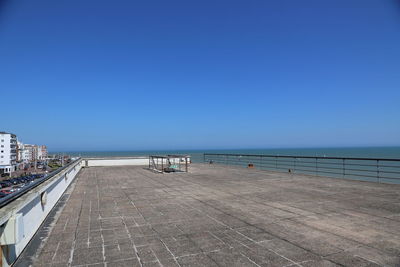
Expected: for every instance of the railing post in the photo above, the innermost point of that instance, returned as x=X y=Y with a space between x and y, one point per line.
x=316 y=166
x=294 y=170
x=204 y=158
x=377 y=170
x=344 y=169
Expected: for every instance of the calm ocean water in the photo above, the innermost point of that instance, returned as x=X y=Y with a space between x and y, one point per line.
x=197 y=155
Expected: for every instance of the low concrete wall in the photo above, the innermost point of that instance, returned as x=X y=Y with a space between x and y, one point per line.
x=119 y=161
x=93 y=162
x=21 y=218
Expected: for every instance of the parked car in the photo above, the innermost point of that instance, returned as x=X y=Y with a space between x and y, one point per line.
x=6 y=191
x=19 y=187
x=5 y=184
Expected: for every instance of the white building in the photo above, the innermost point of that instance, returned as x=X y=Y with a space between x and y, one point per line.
x=42 y=152
x=31 y=152
x=22 y=155
x=35 y=152
x=8 y=152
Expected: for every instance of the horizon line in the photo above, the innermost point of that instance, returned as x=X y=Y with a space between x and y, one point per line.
x=246 y=148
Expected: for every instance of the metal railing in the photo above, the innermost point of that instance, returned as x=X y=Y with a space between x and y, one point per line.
x=385 y=170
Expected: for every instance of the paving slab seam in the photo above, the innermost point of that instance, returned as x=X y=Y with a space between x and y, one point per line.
x=175 y=258
x=367 y=260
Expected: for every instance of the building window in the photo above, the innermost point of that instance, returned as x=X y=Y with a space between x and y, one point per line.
x=2 y=151
x=2 y=140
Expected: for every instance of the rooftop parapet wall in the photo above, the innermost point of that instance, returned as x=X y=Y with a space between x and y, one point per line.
x=21 y=218
x=116 y=161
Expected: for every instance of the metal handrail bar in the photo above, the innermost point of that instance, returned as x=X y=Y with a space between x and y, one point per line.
x=376 y=168
x=385 y=177
x=323 y=167
x=320 y=162
x=308 y=157
x=330 y=163
x=383 y=171
x=353 y=175
x=339 y=173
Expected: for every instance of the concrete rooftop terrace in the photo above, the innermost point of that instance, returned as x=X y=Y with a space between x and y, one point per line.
x=222 y=216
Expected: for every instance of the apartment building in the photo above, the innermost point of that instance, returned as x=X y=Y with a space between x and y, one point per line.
x=8 y=152
x=22 y=153
x=22 y=156
x=31 y=152
x=43 y=152
x=35 y=152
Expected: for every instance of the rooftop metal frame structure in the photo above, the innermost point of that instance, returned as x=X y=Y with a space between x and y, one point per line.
x=169 y=163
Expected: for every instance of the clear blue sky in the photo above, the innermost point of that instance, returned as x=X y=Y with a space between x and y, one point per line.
x=111 y=75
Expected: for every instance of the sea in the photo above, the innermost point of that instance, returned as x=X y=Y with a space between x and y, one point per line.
x=197 y=155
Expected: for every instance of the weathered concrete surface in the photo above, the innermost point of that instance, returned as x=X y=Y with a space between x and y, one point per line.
x=223 y=216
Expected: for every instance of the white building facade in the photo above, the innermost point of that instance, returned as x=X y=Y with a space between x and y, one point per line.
x=43 y=152
x=31 y=152
x=22 y=155
x=8 y=153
